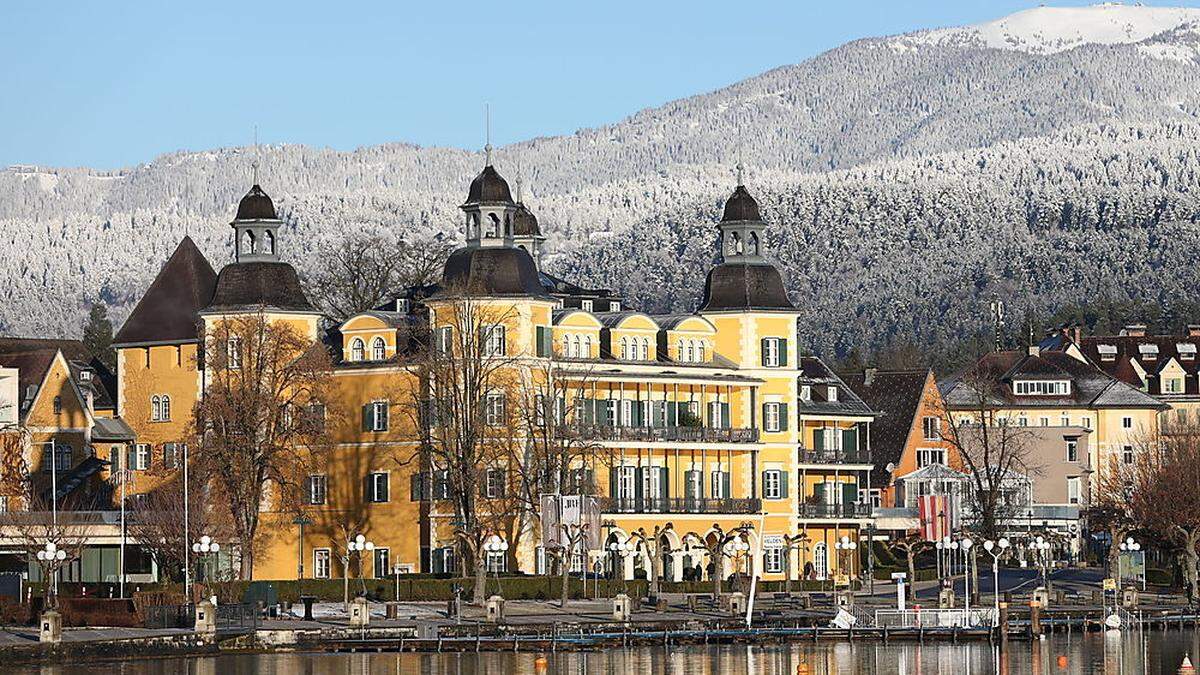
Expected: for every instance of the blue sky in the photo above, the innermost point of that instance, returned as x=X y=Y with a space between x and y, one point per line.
x=111 y=84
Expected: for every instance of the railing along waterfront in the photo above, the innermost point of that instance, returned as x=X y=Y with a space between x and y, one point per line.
x=678 y=505
x=675 y=434
x=935 y=618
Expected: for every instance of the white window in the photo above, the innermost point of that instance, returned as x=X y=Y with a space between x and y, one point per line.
x=1042 y=387
x=645 y=349
x=614 y=306
x=772 y=484
x=719 y=479
x=1074 y=491
x=141 y=457
x=318 y=485
x=771 y=352
x=927 y=456
x=378 y=349
x=494 y=340
x=587 y=347
x=497 y=561
x=495 y=482
x=1044 y=421
x=1148 y=352
x=1065 y=421
x=321 y=563
x=932 y=428
x=701 y=349
x=160 y=408
x=771 y=416
x=625 y=482
x=586 y=305
x=773 y=559
x=1126 y=422
x=806 y=392
x=173 y=454
x=383 y=563
x=1172 y=385
x=377 y=487
x=379 y=416
x=832 y=394
x=1086 y=422
x=1127 y=454
x=442 y=340
x=1187 y=351
x=494 y=409
x=624 y=348
x=358 y=350
x=233 y=352
x=576 y=347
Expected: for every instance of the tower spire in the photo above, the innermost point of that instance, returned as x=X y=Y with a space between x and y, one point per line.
x=520 y=181
x=487 y=133
x=256 y=155
x=740 y=166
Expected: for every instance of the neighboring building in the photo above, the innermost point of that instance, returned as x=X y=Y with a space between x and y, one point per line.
x=1164 y=366
x=908 y=434
x=707 y=420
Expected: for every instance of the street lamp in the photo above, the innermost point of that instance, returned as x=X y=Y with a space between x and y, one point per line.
x=53 y=556
x=965 y=544
x=845 y=546
x=734 y=549
x=356 y=545
x=619 y=551
x=492 y=546
x=1041 y=552
x=996 y=548
x=1127 y=546
x=396 y=571
x=205 y=548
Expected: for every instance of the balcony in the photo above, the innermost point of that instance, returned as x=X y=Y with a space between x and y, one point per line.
x=822 y=510
x=834 y=456
x=662 y=434
x=679 y=505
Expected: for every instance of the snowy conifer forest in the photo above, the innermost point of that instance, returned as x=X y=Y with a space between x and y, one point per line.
x=907 y=180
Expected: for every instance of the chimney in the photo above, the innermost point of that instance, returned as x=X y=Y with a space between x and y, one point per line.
x=1134 y=330
x=869 y=376
x=1193 y=330
x=1077 y=333
x=1034 y=350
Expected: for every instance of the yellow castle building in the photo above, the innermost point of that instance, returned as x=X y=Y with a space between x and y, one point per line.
x=691 y=431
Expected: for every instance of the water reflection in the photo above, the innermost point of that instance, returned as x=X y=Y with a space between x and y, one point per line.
x=1115 y=653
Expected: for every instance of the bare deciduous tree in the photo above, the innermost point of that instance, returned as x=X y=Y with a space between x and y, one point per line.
x=261 y=423
x=911 y=545
x=365 y=270
x=1165 y=498
x=156 y=520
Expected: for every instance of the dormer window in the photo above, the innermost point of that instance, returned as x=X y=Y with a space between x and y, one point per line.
x=832 y=394
x=1107 y=352
x=806 y=392
x=1148 y=352
x=378 y=349
x=586 y=305
x=85 y=376
x=1042 y=387
x=1187 y=351
x=358 y=350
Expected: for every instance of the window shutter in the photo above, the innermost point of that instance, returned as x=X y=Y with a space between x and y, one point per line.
x=849 y=493
x=664 y=478
x=438 y=561
x=367 y=496
x=725 y=418
x=414 y=490
x=672 y=413
x=818 y=439
x=766 y=427
x=689 y=484
x=638 y=478
x=543 y=341
x=764 y=483
x=613 y=491
x=383 y=418
x=725 y=485
x=763 y=350
x=368 y=417
x=783 y=355
x=850 y=440
x=130 y=458
x=385 y=484
x=783 y=484
x=783 y=417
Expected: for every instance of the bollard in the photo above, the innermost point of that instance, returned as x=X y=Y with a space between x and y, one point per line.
x=1035 y=618
x=1003 y=621
x=621 y=607
x=845 y=599
x=360 y=613
x=206 y=619
x=50 y=627
x=1129 y=596
x=392 y=610
x=495 y=609
x=946 y=598
x=735 y=603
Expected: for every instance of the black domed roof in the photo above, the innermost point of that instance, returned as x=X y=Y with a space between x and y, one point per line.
x=744 y=286
x=525 y=223
x=488 y=271
x=740 y=206
x=256 y=205
x=259 y=284
x=489 y=186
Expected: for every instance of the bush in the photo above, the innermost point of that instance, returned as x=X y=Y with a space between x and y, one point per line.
x=15 y=613
x=98 y=612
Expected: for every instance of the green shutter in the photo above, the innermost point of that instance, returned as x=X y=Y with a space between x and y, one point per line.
x=764 y=483
x=849 y=493
x=819 y=493
x=543 y=341
x=612 y=482
x=762 y=350
x=783 y=484
x=130 y=458
x=368 y=417
x=783 y=417
x=818 y=439
x=664 y=481
x=637 y=483
x=672 y=413
x=726 y=484
x=783 y=355
x=850 y=440
x=725 y=417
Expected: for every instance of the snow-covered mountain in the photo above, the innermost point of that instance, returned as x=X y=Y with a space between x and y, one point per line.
x=895 y=139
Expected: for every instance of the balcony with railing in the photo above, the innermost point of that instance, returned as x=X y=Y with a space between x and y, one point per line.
x=823 y=510
x=855 y=455
x=679 y=505
x=670 y=434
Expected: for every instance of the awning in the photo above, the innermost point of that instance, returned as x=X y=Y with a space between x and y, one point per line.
x=111 y=430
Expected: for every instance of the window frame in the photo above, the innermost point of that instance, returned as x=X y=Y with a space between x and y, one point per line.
x=311 y=491
x=772 y=478
x=373 y=481
x=378 y=349
x=322 y=561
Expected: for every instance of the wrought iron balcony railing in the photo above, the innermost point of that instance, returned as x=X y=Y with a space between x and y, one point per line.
x=679 y=505
x=821 y=510
x=834 y=456
x=662 y=434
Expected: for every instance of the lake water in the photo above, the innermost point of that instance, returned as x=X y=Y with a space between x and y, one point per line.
x=1148 y=652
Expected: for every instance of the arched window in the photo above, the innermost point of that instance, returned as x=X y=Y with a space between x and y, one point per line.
x=679 y=350
x=735 y=242
x=494 y=227
x=645 y=349
x=166 y=407
x=820 y=560
x=270 y=243
x=701 y=348
x=753 y=243
x=587 y=347
x=155 y=408
x=378 y=349
x=624 y=348
x=566 y=346
x=357 y=350
x=576 y=350
x=248 y=243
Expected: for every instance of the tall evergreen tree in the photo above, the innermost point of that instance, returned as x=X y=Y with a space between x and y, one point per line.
x=98 y=336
